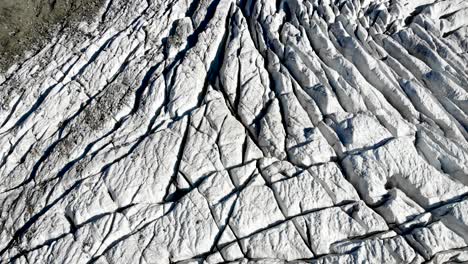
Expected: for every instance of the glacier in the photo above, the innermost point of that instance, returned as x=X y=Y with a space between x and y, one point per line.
x=240 y=131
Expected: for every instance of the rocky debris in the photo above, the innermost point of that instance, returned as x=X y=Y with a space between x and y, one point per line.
x=27 y=25
x=252 y=131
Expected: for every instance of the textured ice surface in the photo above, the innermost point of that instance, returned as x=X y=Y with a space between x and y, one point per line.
x=255 y=131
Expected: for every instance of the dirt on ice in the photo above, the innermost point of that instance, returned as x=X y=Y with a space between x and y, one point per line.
x=28 y=24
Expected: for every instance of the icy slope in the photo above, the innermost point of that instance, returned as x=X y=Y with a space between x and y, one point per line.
x=257 y=131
